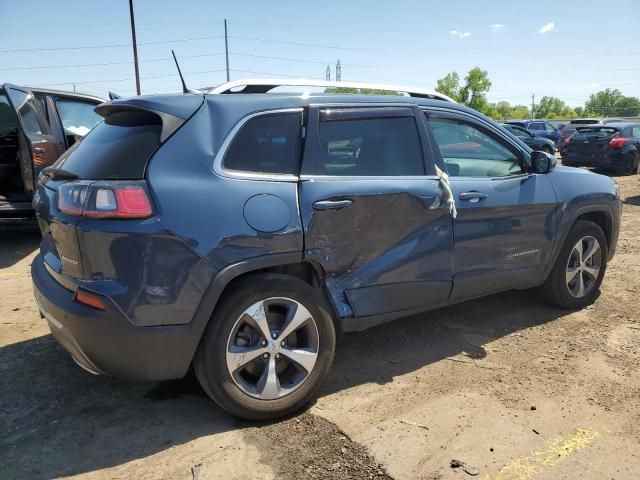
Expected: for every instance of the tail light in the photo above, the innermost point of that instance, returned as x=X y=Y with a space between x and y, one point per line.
x=618 y=142
x=115 y=199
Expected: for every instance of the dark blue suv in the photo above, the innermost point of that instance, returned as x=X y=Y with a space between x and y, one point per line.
x=244 y=233
x=540 y=128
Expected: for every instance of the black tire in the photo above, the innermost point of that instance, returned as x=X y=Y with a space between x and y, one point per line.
x=629 y=166
x=555 y=289
x=210 y=362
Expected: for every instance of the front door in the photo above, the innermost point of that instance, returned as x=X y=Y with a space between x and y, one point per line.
x=506 y=222
x=372 y=211
x=37 y=147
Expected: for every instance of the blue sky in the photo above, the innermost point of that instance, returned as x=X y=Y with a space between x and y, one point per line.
x=564 y=48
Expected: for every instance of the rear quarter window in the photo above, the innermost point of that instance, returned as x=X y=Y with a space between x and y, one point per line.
x=268 y=144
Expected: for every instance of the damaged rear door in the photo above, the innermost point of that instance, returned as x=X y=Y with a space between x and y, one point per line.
x=373 y=210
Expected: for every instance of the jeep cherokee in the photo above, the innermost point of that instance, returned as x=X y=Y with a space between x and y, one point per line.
x=243 y=233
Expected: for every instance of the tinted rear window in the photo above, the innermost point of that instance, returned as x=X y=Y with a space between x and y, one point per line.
x=369 y=147
x=595 y=131
x=118 y=148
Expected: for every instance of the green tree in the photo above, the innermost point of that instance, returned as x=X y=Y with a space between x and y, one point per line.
x=503 y=110
x=611 y=102
x=550 y=107
x=477 y=84
x=450 y=85
x=472 y=93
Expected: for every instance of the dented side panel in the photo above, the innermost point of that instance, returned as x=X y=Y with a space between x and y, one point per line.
x=389 y=250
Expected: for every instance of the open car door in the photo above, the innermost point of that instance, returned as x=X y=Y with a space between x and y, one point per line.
x=37 y=148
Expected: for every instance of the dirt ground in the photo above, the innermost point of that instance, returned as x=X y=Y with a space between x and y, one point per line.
x=507 y=386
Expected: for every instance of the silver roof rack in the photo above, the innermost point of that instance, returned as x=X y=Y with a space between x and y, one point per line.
x=264 y=85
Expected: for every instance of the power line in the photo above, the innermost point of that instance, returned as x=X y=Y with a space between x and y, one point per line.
x=112 y=45
x=272 y=74
x=288 y=59
x=315 y=45
x=148 y=77
x=45 y=67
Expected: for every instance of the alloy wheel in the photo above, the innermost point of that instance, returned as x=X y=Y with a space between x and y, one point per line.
x=272 y=348
x=583 y=266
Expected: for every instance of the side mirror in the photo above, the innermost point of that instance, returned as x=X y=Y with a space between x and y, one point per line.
x=542 y=162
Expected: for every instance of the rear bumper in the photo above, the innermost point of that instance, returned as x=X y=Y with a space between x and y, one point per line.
x=105 y=341
x=603 y=161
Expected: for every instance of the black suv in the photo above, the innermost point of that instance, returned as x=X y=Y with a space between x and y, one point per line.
x=243 y=233
x=36 y=127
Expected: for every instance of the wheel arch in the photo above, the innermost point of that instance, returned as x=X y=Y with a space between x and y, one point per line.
x=601 y=215
x=286 y=263
x=602 y=218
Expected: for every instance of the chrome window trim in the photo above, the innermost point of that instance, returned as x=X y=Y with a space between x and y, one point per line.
x=408 y=104
x=218 y=168
x=338 y=178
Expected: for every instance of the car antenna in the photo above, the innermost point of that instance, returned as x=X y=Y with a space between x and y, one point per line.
x=114 y=96
x=185 y=89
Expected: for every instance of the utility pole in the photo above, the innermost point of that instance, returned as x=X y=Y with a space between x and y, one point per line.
x=338 y=71
x=226 y=47
x=135 y=46
x=74 y=88
x=533 y=106
x=327 y=75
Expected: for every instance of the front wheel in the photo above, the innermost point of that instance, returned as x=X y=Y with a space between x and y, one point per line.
x=267 y=348
x=574 y=281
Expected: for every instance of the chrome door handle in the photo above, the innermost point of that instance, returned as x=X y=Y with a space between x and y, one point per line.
x=331 y=204
x=472 y=196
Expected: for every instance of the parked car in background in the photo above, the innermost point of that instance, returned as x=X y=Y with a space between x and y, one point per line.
x=540 y=128
x=243 y=233
x=613 y=146
x=36 y=127
x=535 y=143
x=570 y=128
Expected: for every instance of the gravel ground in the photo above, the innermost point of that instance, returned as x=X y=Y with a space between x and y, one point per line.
x=508 y=387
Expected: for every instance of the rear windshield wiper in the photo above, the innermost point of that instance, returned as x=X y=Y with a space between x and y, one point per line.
x=53 y=172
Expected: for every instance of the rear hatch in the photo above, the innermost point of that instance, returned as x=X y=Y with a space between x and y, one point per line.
x=571 y=127
x=102 y=176
x=591 y=142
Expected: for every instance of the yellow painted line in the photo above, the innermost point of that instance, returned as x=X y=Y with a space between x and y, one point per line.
x=554 y=451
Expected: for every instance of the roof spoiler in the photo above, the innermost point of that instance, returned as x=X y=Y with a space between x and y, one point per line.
x=170 y=123
x=264 y=85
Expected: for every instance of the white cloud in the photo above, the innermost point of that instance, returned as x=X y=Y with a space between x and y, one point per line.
x=496 y=28
x=547 y=27
x=459 y=34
